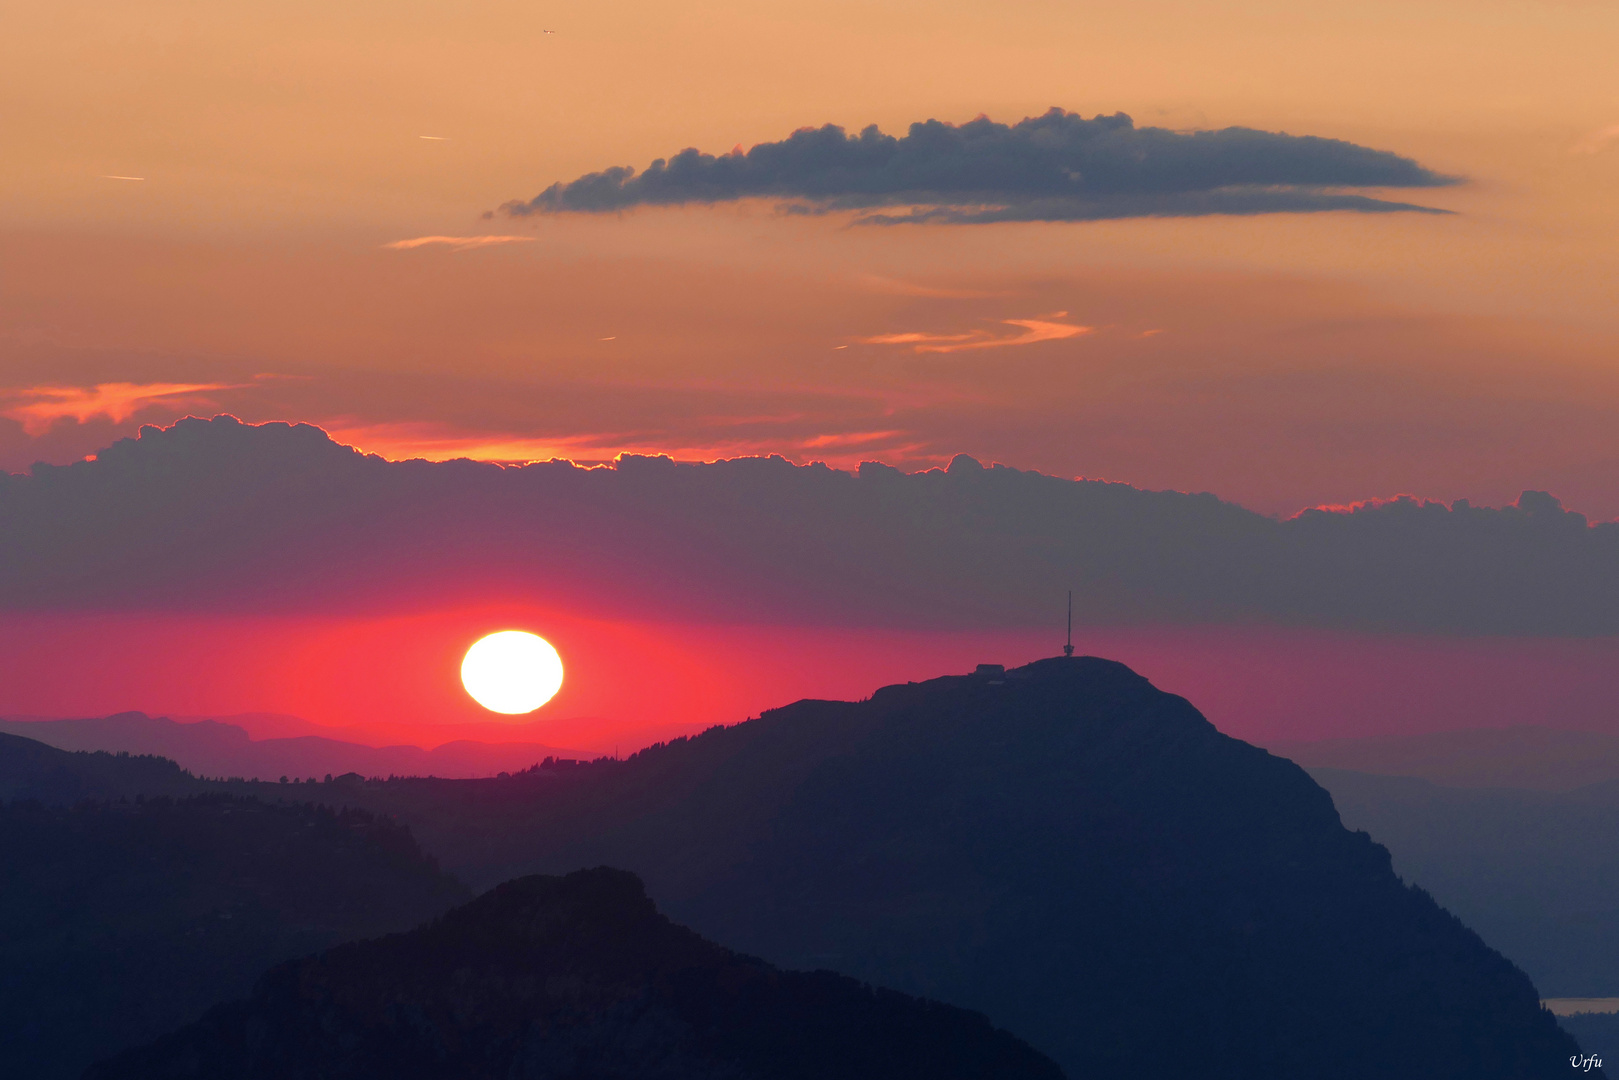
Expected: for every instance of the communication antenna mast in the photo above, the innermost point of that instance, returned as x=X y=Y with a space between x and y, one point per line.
x=1068 y=649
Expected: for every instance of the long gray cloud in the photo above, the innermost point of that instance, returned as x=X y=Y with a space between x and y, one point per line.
x=219 y=515
x=1055 y=167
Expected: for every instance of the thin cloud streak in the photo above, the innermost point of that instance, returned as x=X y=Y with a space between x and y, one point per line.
x=911 y=338
x=850 y=439
x=44 y=405
x=456 y=243
x=1034 y=331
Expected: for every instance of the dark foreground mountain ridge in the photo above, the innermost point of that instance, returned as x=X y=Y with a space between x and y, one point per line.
x=1065 y=848
x=574 y=978
x=120 y=921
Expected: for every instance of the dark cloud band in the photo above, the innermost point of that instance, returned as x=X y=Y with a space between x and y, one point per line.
x=225 y=516
x=1055 y=167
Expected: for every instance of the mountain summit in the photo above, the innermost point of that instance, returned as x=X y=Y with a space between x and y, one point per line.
x=574 y=978
x=1063 y=847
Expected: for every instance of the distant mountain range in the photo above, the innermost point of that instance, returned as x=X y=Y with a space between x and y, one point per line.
x=217 y=748
x=1536 y=758
x=1535 y=872
x=575 y=978
x=1514 y=829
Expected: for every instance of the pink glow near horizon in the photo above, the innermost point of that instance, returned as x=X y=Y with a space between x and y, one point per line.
x=630 y=684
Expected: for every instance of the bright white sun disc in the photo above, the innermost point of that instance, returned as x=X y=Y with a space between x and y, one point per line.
x=512 y=672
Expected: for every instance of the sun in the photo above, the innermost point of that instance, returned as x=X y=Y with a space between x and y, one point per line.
x=512 y=672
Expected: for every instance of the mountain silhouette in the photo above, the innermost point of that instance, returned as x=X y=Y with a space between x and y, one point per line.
x=120 y=921
x=1063 y=847
x=1535 y=872
x=573 y=978
x=31 y=770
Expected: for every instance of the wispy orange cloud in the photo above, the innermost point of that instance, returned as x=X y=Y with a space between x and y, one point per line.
x=436 y=442
x=1371 y=504
x=849 y=439
x=42 y=406
x=456 y=243
x=1034 y=330
x=913 y=339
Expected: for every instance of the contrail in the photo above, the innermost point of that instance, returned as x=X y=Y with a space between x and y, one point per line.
x=434 y=138
x=108 y=176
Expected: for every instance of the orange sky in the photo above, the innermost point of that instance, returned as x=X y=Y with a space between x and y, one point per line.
x=295 y=249
x=1280 y=361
